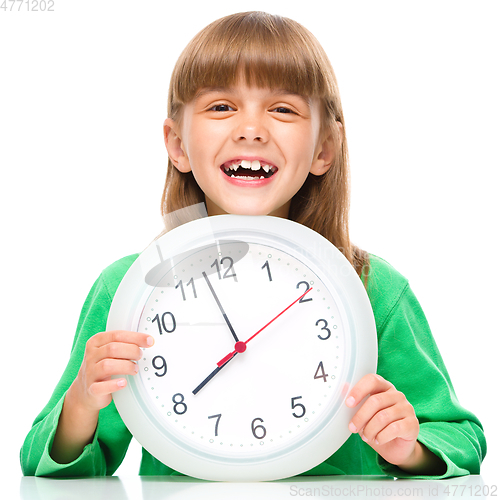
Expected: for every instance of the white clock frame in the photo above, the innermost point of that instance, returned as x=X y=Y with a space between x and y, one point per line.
x=140 y=414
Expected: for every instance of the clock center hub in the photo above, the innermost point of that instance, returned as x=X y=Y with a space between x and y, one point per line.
x=240 y=346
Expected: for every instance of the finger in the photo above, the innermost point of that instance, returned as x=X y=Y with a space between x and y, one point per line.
x=369 y=384
x=99 y=389
x=118 y=350
x=382 y=419
x=107 y=368
x=121 y=336
x=406 y=429
x=378 y=408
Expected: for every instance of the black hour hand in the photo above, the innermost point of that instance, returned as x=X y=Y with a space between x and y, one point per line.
x=209 y=377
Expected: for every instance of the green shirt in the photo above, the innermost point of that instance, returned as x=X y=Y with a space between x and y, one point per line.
x=407 y=356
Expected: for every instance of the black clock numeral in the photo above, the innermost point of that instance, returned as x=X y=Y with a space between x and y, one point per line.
x=325 y=328
x=179 y=403
x=322 y=373
x=267 y=266
x=307 y=286
x=161 y=366
x=296 y=405
x=255 y=427
x=162 y=325
x=181 y=285
x=216 y=423
x=227 y=271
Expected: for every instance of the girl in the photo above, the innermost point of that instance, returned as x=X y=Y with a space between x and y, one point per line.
x=256 y=127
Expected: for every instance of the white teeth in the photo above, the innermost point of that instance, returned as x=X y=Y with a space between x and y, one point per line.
x=246 y=177
x=248 y=164
x=254 y=165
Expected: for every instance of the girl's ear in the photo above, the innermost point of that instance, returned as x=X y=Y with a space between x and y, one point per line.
x=328 y=150
x=174 y=146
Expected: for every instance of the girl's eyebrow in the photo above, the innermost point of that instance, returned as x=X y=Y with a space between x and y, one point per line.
x=229 y=90
x=208 y=90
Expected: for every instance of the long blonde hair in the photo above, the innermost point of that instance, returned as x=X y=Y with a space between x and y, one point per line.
x=275 y=52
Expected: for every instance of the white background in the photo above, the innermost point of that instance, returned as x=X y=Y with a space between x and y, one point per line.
x=83 y=93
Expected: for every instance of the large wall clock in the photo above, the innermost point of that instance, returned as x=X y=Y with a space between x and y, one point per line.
x=261 y=326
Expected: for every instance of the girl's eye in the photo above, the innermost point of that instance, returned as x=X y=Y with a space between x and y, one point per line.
x=221 y=107
x=282 y=109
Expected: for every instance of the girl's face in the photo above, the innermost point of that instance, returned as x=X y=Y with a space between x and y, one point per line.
x=250 y=149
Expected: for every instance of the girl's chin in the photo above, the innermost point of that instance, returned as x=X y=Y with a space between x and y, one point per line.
x=249 y=210
x=247 y=205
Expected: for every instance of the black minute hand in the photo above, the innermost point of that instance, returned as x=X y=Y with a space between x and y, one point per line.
x=221 y=308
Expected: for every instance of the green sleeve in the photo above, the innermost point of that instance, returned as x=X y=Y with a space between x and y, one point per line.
x=111 y=439
x=409 y=358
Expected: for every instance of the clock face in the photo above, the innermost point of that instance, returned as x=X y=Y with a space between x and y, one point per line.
x=257 y=341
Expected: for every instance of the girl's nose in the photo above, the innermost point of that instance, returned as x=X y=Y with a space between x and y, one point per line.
x=251 y=128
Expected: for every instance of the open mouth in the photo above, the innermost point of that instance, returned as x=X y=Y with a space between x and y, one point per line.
x=250 y=170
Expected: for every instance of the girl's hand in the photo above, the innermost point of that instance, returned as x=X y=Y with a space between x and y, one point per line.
x=107 y=354
x=386 y=421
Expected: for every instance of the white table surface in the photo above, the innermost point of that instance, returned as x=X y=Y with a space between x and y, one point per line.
x=172 y=488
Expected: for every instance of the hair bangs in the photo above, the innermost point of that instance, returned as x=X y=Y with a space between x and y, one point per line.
x=267 y=51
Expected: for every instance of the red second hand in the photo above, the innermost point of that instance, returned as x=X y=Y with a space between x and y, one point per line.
x=241 y=346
